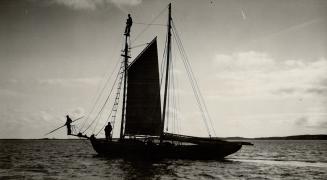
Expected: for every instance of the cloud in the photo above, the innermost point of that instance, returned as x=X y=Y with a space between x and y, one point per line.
x=318 y=90
x=78 y=112
x=79 y=4
x=127 y=2
x=10 y=93
x=12 y=87
x=69 y=81
x=94 y=4
x=317 y=121
x=323 y=125
x=301 y=121
x=255 y=73
x=23 y=123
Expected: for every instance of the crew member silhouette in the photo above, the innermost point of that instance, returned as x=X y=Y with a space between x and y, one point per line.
x=107 y=131
x=129 y=23
x=68 y=122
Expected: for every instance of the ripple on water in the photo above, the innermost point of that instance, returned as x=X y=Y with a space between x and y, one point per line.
x=74 y=159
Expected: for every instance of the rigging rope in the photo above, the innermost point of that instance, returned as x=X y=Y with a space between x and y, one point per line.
x=171 y=84
x=191 y=81
x=147 y=26
x=176 y=128
x=98 y=98
x=172 y=96
x=101 y=93
x=163 y=64
x=116 y=102
x=150 y=24
x=115 y=105
x=138 y=45
x=195 y=87
x=174 y=104
x=103 y=104
x=168 y=100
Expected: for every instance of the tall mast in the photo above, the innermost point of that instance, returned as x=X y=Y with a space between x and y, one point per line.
x=167 y=69
x=125 y=55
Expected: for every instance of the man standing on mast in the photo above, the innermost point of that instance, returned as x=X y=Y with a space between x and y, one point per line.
x=129 y=23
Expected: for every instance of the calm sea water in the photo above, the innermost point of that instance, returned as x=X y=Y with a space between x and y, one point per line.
x=75 y=159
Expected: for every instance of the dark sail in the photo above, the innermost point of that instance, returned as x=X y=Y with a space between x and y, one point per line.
x=143 y=109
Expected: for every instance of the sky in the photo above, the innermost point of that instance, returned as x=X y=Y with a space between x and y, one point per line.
x=261 y=65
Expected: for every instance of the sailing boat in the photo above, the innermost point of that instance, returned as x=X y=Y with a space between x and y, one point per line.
x=142 y=121
x=144 y=114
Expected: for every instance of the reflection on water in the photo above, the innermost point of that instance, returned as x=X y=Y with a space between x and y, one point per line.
x=75 y=159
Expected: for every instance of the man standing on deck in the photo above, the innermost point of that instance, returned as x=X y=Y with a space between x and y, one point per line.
x=107 y=131
x=129 y=23
x=68 y=122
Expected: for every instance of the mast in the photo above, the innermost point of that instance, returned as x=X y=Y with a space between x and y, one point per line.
x=125 y=55
x=167 y=70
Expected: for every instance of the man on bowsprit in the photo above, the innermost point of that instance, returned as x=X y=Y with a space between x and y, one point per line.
x=129 y=23
x=107 y=131
x=68 y=122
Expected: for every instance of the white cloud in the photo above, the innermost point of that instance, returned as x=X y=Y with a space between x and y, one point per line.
x=10 y=93
x=94 y=4
x=313 y=121
x=69 y=81
x=79 y=4
x=22 y=123
x=126 y=2
x=77 y=113
x=258 y=74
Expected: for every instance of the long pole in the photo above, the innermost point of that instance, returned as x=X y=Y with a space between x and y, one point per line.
x=125 y=84
x=63 y=126
x=167 y=70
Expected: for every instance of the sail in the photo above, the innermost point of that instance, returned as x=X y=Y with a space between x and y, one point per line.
x=143 y=107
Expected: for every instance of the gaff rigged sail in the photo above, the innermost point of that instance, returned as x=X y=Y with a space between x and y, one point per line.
x=143 y=109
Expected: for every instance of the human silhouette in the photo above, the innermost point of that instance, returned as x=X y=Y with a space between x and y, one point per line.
x=92 y=137
x=107 y=131
x=68 y=122
x=82 y=135
x=129 y=23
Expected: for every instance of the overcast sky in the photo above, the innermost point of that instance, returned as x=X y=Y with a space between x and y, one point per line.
x=261 y=64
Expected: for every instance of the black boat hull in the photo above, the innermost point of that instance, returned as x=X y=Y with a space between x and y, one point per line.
x=139 y=149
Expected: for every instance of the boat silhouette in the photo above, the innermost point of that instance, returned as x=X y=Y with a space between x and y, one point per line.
x=144 y=114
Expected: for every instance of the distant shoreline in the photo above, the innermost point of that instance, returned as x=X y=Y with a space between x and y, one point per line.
x=295 y=137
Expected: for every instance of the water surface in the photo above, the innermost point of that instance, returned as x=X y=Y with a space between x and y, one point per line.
x=76 y=159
